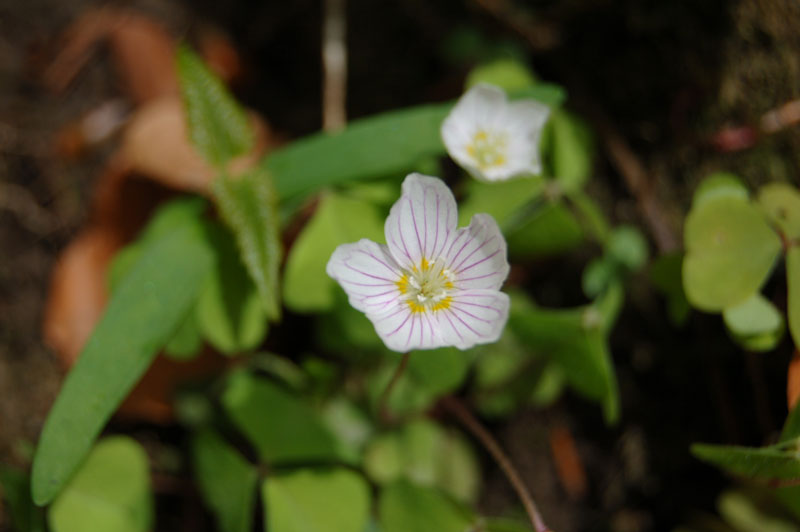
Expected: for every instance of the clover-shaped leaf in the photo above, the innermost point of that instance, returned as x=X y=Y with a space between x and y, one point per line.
x=730 y=252
x=781 y=203
x=755 y=323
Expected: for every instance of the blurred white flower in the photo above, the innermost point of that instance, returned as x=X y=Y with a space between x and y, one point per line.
x=433 y=285
x=492 y=138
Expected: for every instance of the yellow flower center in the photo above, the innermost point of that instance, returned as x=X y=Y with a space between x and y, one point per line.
x=488 y=149
x=427 y=286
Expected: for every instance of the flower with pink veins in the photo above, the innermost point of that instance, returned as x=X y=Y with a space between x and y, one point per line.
x=432 y=285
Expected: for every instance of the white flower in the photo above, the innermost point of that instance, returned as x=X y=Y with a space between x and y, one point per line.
x=492 y=138
x=433 y=285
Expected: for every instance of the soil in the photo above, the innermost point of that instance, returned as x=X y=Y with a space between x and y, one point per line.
x=665 y=76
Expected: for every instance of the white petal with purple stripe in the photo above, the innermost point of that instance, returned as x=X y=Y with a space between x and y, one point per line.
x=433 y=285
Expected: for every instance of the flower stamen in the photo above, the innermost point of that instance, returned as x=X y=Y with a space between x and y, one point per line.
x=427 y=287
x=488 y=149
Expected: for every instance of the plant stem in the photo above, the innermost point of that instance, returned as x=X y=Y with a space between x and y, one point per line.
x=383 y=404
x=474 y=426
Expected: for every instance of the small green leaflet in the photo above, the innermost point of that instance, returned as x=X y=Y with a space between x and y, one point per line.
x=227 y=482
x=281 y=427
x=776 y=462
x=217 y=125
x=109 y=493
x=248 y=205
x=316 y=500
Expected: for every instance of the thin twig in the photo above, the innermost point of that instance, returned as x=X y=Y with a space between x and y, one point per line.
x=334 y=60
x=490 y=444
x=383 y=404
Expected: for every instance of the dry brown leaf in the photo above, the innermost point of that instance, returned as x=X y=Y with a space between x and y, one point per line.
x=78 y=291
x=142 y=49
x=569 y=465
x=793 y=381
x=156 y=144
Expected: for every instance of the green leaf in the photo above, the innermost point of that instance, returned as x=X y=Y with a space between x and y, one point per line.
x=167 y=217
x=110 y=492
x=756 y=323
x=576 y=340
x=218 y=127
x=781 y=202
x=507 y=74
x=424 y=453
x=141 y=317
x=502 y=200
x=15 y=489
x=281 y=427
x=719 y=185
x=628 y=247
x=229 y=312
x=793 y=284
x=338 y=220
x=776 y=462
x=744 y=514
x=226 y=480
x=404 y=507
x=440 y=371
x=571 y=149
x=248 y=205
x=386 y=144
x=310 y=500
x=186 y=342
x=551 y=230
x=730 y=252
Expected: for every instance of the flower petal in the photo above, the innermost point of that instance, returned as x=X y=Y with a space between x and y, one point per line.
x=368 y=274
x=476 y=256
x=479 y=108
x=403 y=330
x=422 y=221
x=473 y=317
